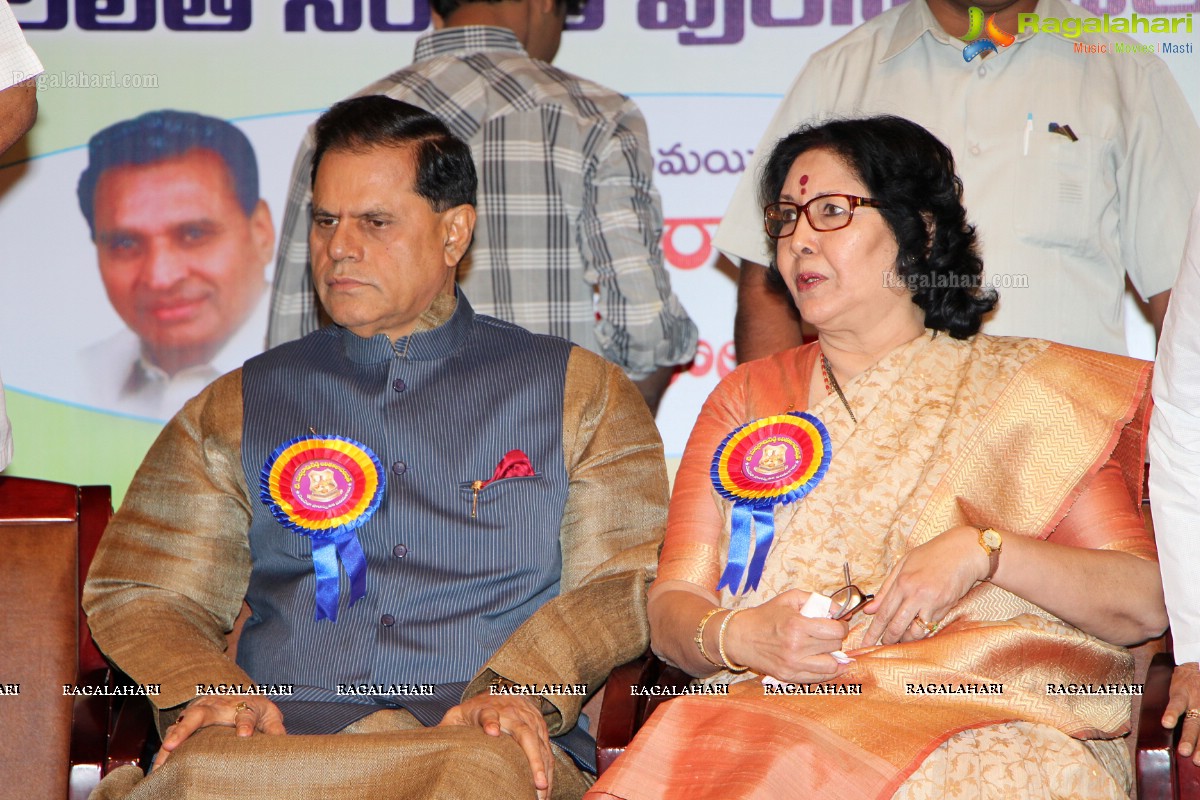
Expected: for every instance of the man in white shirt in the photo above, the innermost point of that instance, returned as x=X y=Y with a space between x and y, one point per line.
x=1175 y=487
x=1077 y=166
x=18 y=109
x=19 y=65
x=182 y=240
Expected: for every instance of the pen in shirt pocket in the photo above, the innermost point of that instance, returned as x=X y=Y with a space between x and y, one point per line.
x=1028 y=130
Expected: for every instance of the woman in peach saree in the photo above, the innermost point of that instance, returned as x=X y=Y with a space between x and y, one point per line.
x=985 y=490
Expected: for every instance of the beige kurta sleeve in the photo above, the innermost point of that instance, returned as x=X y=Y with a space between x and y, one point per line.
x=612 y=525
x=173 y=565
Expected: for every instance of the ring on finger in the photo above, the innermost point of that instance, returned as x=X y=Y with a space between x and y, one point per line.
x=1192 y=713
x=240 y=707
x=930 y=628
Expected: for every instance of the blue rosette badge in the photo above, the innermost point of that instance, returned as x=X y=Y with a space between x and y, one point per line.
x=325 y=488
x=771 y=461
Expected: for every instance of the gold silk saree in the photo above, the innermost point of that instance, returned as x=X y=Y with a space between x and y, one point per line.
x=990 y=432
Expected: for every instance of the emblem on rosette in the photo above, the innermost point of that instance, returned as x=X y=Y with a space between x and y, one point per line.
x=766 y=463
x=325 y=487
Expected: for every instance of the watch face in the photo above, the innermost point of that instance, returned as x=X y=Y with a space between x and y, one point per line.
x=991 y=539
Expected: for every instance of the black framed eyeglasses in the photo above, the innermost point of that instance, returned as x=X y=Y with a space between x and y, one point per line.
x=849 y=599
x=827 y=212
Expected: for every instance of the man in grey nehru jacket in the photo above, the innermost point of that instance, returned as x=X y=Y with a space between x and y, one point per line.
x=442 y=524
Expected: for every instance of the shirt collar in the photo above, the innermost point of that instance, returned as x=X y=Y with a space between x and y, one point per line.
x=915 y=20
x=248 y=340
x=440 y=331
x=465 y=40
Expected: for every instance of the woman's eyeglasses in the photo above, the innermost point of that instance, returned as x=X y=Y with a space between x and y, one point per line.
x=829 y=212
x=848 y=599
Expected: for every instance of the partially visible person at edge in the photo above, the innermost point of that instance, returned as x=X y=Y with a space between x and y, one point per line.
x=985 y=490
x=1078 y=169
x=1175 y=487
x=507 y=541
x=19 y=65
x=570 y=225
x=182 y=241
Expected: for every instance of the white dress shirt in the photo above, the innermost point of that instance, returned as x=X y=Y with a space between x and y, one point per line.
x=1175 y=453
x=18 y=62
x=120 y=378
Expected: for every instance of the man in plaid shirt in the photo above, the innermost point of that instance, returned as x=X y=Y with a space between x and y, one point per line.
x=568 y=240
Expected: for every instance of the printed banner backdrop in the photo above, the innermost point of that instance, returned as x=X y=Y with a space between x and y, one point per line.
x=708 y=75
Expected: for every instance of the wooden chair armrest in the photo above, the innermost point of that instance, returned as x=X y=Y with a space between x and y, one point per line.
x=88 y=734
x=1155 y=744
x=90 y=719
x=134 y=738
x=107 y=732
x=1161 y=773
x=624 y=712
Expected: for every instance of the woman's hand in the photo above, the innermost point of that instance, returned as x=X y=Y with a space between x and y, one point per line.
x=926 y=583
x=775 y=639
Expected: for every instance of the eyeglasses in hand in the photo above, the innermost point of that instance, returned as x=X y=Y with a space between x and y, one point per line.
x=848 y=599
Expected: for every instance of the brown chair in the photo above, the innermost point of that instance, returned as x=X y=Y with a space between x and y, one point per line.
x=622 y=714
x=52 y=745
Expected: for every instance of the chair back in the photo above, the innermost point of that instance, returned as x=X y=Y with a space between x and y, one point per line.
x=48 y=533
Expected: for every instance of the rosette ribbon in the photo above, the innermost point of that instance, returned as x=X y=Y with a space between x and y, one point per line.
x=325 y=488
x=769 y=462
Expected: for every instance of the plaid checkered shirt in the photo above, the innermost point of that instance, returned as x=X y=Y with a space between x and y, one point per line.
x=569 y=229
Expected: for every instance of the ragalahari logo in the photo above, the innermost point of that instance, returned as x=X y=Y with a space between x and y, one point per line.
x=984 y=38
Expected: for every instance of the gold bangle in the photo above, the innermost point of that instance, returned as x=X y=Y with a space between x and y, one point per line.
x=729 y=665
x=699 y=638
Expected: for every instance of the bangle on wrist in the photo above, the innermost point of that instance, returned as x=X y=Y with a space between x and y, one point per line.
x=729 y=665
x=699 y=638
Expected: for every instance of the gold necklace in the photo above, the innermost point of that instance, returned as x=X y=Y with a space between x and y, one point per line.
x=833 y=387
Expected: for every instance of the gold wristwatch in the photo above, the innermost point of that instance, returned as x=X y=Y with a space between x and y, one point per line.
x=991 y=541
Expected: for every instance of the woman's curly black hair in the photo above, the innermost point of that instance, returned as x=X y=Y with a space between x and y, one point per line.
x=911 y=174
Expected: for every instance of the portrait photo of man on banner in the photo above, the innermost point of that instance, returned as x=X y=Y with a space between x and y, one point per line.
x=182 y=239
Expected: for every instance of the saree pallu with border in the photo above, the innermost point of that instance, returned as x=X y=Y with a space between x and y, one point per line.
x=991 y=432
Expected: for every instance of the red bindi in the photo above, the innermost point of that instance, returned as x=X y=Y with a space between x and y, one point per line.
x=803 y=181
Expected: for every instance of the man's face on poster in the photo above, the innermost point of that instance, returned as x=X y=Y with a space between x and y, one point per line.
x=181 y=261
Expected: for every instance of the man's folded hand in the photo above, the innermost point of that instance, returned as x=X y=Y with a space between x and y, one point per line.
x=246 y=713
x=519 y=717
